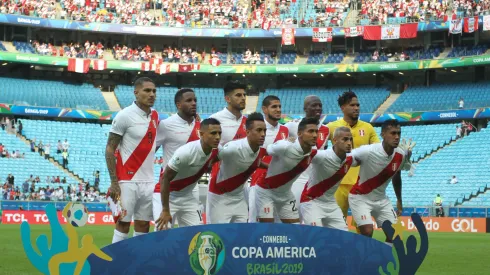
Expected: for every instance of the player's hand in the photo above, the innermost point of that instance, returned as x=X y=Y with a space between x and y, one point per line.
x=197 y=117
x=399 y=208
x=407 y=147
x=164 y=220
x=292 y=139
x=115 y=191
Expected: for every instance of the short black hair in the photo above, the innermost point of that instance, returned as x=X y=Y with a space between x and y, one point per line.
x=233 y=85
x=307 y=121
x=389 y=123
x=180 y=93
x=346 y=97
x=253 y=117
x=209 y=121
x=138 y=82
x=268 y=99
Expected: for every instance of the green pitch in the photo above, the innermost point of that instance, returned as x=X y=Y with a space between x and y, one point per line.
x=449 y=253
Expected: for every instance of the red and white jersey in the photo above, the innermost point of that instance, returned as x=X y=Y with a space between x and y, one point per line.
x=376 y=169
x=321 y=143
x=173 y=133
x=231 y=127
x=274 y=133
x=238 y=162
x=288 y=162
x=136 y=152
x=190 y=162
x=327 y=171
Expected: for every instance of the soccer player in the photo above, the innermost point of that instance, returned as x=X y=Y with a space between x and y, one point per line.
x=313 y=107
x=271 y=107
x=379 y=163
x=129 y=155
x=318 y=206
x=239 y=158
x=174 y=132
x=182 y=173
x=363 y=133
x=289 y=160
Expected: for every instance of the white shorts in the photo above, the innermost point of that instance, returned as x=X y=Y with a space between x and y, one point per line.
x=136 y=199
x=188 y=216
x=252 y=208
x=270 y=203
x=157 y=202
x=297 y=189
x=226 y=209
x=324 y=214
x=363 y=208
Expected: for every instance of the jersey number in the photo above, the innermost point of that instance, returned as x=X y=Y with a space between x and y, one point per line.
x=294 y=205
x=150 y=137
x=199 y=212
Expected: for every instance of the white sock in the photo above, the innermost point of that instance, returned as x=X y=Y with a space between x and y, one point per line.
x=136 y=234
x=118 y=236
x=389 y=244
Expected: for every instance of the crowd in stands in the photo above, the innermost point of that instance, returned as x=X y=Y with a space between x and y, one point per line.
x=384 y=11
x=73 y=50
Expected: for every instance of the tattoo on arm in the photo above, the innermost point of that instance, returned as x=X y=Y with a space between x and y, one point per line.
x=112 y=143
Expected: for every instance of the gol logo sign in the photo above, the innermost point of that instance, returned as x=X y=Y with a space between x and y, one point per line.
x=463 y=225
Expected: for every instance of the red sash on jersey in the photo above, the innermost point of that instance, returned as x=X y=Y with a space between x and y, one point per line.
x=127 y=170
x=281 y=179
x=234 y=182
x=323 y=132
x=241 y=132
x=260 y=173
x=192 y=137
x=177 y=185
x=388 y=172
x=320 y=188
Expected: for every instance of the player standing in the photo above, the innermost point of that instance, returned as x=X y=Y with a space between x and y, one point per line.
x=174 y=132
x=129 y=154
x=271 y=107
x=182 y=173
x=380 y=163
x=318 y=206
x=363 y=133
x=313 y=107
x=289 y=160
x=239 y=158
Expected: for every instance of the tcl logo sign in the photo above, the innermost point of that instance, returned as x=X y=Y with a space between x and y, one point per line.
x=39 y=217
x=463 y=225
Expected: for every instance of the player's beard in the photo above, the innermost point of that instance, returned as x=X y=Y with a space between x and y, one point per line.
x=273 y=118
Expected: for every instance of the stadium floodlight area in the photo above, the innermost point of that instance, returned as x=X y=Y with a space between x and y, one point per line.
x=51 y=94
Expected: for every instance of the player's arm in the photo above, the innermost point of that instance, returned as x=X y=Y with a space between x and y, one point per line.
x=263 y=165
x=397 y=186
x=293 y=130
x=112 y=143
x=165 y=217
x=361 y=154
x=278 y=148
x=160 y=140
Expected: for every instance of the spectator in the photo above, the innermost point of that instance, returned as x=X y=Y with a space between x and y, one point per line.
x=1 y=148
x=454 y=180
x=10 y=180
x=66 y=145
x=63 y=180
x=59 y=147
x=458 y=132
x=19 y=127
x=33 y=145
x=40 y=148
x=47 y=151
x=461 y=103
x=2 y=123
x=65 y=158
x=438 y=205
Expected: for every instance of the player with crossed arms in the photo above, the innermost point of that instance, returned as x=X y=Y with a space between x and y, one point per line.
x=380 y=163
x=129 y=155
x=239 y=158
x=313 y=107
x=318 y=205
x=182 y=173
x=289 y=160
x=173 y=132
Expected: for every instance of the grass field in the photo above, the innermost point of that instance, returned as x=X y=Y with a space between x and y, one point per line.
x=449 y=253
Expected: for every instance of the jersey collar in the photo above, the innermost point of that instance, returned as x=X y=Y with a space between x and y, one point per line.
x=139 y=111
x=230 y=115
x=181 y=120
x=270 y=126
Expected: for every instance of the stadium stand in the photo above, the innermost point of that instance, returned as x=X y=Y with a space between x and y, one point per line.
x=51 y=93
x=210 y=100
x=442 y=97
x=292 y=99
x=468 y=51
x=433 y=174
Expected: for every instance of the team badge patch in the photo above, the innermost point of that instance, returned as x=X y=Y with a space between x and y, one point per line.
x=361 y=133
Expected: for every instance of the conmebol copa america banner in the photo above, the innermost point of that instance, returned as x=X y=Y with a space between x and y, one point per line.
x=228 y=249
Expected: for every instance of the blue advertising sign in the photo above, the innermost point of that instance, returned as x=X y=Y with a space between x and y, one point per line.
x=254 y=248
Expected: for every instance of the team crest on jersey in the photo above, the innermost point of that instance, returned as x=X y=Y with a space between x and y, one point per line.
x=394 y=166
x=322 y=137
x=361 y=133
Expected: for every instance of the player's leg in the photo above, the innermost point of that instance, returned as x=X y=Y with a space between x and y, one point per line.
x=240 y=212
x=342 y=198
x=264 y=205
x=383 y=211
x=143 y=212
x=335 y=218
x=288 y=209
x=309 y=214
x=252 y=209
x=216 y=212
x=157 y=207
x=297 y=189
x=361 y=213
x=190 y=218
x=128 y=202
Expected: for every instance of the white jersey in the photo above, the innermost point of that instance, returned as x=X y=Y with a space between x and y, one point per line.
x=136 y=152
x=231 y=127
x=238 y=162
x=327 y=171
x=377 y=169
x=190 y=163
x=288 y=161
x=173 y=133
x=272 y=132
